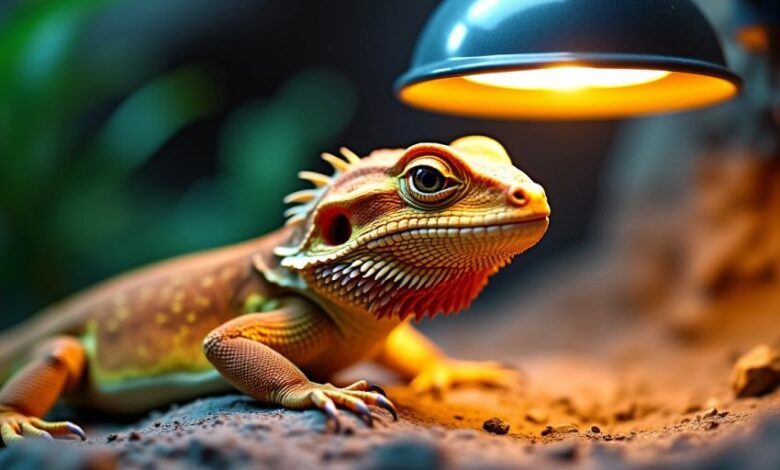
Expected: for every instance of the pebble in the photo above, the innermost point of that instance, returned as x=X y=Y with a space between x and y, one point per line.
x=595 y=429
x=496 y=426
x=134 y=436
x=565 y=428
x=757 y=372
x=710 y=413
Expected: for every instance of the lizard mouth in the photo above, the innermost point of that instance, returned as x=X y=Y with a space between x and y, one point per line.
x=517 y=235
x=526 y=225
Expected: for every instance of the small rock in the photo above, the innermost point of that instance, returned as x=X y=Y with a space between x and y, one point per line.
x=457 y=417
x=711 y=425
x=710 y=413
x=134 y=436
x=595 y=429
x=757 y=372
x=496 y=426
x=536 y=416
x=565 y=428
x=112 y=437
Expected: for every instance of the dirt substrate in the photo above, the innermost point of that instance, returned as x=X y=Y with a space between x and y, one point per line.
x=605 y=387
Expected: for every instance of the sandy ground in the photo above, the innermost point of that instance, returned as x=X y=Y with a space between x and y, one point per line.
x=603 y=388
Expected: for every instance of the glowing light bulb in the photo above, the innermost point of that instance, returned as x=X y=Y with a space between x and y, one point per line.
x=567 y=78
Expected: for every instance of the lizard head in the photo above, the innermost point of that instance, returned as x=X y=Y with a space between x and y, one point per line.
x=415 y=231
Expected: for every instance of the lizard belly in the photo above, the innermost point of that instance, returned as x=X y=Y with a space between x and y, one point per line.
x=142 y=394
x=178 y=374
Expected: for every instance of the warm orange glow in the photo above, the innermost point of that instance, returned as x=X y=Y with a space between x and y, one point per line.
x=569 y=78
x=755 y=38
x=613 y=98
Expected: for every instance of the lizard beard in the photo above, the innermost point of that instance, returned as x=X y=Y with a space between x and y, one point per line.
x=389 y=288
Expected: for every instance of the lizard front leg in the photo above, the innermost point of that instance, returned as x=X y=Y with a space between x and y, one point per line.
x=258 y=353
x=56 y=367
x=409 y=353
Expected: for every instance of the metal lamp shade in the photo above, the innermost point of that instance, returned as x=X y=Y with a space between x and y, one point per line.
x=587 y=59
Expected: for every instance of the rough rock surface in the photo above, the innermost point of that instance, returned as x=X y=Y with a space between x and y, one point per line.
x=756 y=372
x=235 y=432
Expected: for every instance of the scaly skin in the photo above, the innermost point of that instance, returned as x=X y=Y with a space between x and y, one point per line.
x=396 y=235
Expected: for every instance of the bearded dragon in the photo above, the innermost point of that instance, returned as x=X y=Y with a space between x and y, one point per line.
x=398 y=234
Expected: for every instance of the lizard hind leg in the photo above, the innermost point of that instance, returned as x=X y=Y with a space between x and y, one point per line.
x=56 y=367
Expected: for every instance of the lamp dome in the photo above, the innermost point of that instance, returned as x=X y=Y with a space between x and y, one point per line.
x=566 y=59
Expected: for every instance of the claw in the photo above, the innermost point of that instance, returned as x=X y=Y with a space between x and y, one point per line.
x=383 y=402
x=333 y=415
x=372 y=387
x=75 y=429
x=356 y=398
x=365 y=413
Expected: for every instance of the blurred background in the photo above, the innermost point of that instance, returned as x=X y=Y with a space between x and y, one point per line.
x=131 y=131
x=136 y=130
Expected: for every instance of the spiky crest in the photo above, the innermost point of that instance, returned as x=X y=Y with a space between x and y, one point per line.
x=307 y=199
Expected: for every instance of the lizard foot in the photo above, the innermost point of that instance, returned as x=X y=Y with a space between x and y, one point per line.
x=440 y=376
x=355 y=398
x=15 y=427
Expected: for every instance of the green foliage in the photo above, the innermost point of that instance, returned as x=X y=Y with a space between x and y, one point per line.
x=76 y=136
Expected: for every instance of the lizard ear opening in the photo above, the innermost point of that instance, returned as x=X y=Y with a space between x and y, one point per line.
x=335 y=228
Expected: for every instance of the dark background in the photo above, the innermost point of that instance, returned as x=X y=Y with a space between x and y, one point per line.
x=131 y=131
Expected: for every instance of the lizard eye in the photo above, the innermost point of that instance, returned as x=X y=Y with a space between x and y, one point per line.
x=429 y=182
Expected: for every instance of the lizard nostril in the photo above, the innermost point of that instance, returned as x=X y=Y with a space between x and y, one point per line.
x=517 y=196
